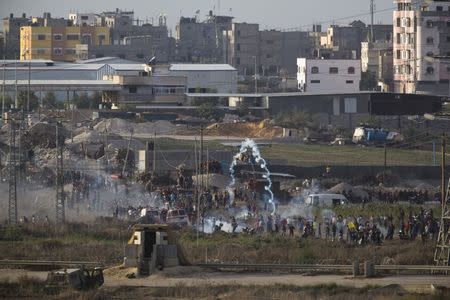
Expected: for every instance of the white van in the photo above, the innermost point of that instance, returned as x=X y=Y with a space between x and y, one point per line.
x=326 y=200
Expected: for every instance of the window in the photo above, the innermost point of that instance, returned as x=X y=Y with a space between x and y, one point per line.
x=57 y=51
x=398 y=38
x=398 y=22
x=399 y=54
x=238 y=61
x=314 y=70
x=84 y=17
x=351 y=70
x=41 y=37
x=57 y=37
x=238 y=33
x=430 y=70
x=439 y=8
x=407 y=69
x=349 y=81
x=406 y=22
x=448 y=23
x=132 y=89
x=73 y=37
x=334 y=70
x=430 y=40
x=430 y=54
x=238 y=47
x=315 y=81
x=350 y=105
x=429 y=23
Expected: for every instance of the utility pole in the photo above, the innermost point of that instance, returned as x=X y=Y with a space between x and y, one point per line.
x=442 y=251
x=256 y=78
x=60 y=203
x=29 y=83
x=3 y=90
x=443 y=170
x=128 y=152
x=15 y=85
x=106 y=145
x=154 y=154
x=201 y=157
x=12 y=203
x=372 y=11
x=196 y=185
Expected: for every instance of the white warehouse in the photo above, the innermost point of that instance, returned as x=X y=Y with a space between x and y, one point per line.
x=203 y=78
x=328 y=75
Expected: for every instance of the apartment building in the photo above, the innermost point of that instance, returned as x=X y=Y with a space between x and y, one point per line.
x=11 y=34
x=59 y=43
x=421 y=47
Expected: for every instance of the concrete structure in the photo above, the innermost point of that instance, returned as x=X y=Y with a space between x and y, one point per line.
x=328 y=75
x=201 y=41
x=421 y=48
x=218 y=78
x=243 y=47
x=376 y=58
x=59 y=43
x=86 y=19
x=404 y=47
x=11 y=32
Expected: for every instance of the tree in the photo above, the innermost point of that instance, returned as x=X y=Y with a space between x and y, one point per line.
x=22 y=100
x=208 y=111
x=50 y=101
x=8 y=102
x=294 y=119
x=81 y=100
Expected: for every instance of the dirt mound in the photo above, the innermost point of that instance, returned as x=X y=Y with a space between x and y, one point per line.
x=343 y=186
x=263 y=129
x=44 y=135
x=123 y=126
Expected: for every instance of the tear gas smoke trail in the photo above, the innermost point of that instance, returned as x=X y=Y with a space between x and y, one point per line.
x=248 y=143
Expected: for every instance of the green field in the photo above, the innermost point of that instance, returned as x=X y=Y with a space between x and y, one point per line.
x=320 y=155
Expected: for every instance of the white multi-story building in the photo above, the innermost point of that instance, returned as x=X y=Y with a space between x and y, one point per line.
x=328 y=75
x=421 y=46
x=85 y=19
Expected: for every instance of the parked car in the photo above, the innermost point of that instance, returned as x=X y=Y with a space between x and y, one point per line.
x=177 y=217
x=150 y=216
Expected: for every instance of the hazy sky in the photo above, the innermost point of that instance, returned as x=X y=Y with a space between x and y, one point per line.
x=270 y=14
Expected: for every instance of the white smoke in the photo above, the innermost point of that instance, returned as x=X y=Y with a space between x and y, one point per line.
x=246 y=144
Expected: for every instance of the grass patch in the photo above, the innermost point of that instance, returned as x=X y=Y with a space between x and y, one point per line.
x=23 y=287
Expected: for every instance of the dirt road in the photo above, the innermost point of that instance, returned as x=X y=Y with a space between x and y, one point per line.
x=192 y=276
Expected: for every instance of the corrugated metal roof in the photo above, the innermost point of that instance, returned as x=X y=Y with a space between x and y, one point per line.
x=127 y=67
x=201 y=67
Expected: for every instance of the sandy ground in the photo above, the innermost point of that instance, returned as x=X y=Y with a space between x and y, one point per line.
x=192 y=276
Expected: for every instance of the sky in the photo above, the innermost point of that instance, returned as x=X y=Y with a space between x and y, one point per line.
x=273 y=14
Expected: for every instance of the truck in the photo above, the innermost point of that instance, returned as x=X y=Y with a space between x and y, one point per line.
x=369 y=135
x=325 y=200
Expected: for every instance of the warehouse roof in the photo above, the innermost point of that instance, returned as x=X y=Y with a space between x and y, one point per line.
x=201 y=67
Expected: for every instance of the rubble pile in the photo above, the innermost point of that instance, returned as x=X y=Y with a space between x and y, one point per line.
x=120 y=126
x=43 y=135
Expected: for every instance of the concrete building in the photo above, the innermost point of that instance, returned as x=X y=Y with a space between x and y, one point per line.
x=422 y=33
x=58 y=42
x=86 y=19
x=376 y=58
x=11 y=34
x=243 y=47
x=404 y=47
x=219 y=78
x=201 y=41
x=328 y=75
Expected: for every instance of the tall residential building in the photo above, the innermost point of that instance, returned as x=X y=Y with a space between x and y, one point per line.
x=201 y=41
x=243 y=47
x=422 y=46
x=59 y=43
x=376 y=58
x=11 y=34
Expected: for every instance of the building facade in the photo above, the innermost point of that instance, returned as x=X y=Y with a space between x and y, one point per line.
x=59 y=43
x=376 y=58
x=11 y=34
x=422 y=47
x=328 y=75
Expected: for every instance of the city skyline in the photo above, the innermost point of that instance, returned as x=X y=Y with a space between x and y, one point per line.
x=291 y=16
